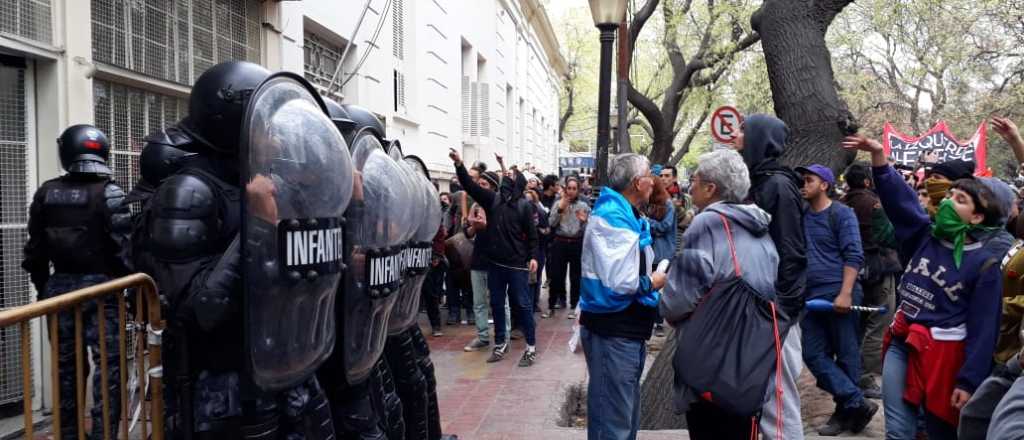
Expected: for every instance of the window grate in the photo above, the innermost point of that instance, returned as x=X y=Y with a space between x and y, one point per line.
x=320 y=61
x=127 y=115
x=14 y=282
x=398 y=27
x=32 y=19
x=174 y=40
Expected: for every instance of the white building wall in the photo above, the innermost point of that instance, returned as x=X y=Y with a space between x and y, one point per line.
x=444 y=40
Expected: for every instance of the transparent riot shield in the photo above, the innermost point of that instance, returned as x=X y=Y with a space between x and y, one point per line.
x=297 y=174
x=379 y=225
x=419 y=250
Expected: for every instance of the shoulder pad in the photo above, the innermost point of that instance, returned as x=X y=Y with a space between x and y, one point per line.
x=184 y=219
x=172 y=136
x=184 y=196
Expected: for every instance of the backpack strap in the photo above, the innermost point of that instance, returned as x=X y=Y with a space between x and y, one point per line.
x=732 y=245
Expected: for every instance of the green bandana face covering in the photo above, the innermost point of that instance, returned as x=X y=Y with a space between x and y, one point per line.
x=950 y=227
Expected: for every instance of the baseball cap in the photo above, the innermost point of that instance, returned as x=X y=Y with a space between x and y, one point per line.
x=824 y=172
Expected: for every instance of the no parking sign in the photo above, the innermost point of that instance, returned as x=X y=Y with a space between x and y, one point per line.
x=725 y=124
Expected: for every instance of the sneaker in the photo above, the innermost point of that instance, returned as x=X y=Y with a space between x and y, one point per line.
x=547 y=314
x=464 y=322
x=490 y=322
x=571 y=315
x=528 y=358
x=476 y=345
x=872 y=391
x=858 y=418
x=558 y=305
x=436 y=333
x=498 y=353
x=834 y=426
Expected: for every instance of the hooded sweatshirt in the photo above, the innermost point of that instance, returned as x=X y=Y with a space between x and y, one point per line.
x=511 y=234
x=706 y=259
x=776 y=189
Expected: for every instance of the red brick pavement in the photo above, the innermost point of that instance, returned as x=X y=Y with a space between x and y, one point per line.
x=481 y=401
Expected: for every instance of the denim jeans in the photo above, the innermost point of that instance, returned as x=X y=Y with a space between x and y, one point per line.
x=614 y=366
x=510 y=286
x=831 y=345
x=900 y=416
x=482 y=304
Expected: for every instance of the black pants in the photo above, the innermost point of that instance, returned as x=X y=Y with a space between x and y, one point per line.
x=433 y=288
x=459 y=294
x=707 y=421
x=562 y=254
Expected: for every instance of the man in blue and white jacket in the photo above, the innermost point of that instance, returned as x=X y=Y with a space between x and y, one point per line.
x=619 y=299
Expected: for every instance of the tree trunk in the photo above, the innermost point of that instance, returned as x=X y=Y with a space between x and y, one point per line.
x=802 y=82
x=656 y=408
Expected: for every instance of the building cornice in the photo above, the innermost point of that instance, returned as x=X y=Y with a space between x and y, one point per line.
x=538 y=19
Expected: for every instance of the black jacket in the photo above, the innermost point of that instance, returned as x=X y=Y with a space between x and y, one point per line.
x=512 y=235
x=776 y=189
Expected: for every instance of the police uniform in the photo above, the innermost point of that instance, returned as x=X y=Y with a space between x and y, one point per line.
x=77 y=223
x=190 y=244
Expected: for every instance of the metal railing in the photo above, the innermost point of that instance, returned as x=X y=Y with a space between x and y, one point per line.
x=147 y=304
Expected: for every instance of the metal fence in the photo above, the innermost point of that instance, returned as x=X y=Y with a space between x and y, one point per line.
x=174 y=40
x=14 y=183
x=32 y=19
x=147 y=305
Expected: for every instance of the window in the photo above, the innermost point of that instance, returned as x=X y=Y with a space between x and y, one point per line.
x=174 y=40
x=14 y=199
x=31 y=19
x=320 y=62
x=398 y=28
x=399 y=85
x=127 y=115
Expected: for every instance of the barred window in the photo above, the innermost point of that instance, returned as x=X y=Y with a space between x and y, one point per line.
x=14 y=199
x=174 y=40
x=32 y=19
x=127 y=115
x=320 y=61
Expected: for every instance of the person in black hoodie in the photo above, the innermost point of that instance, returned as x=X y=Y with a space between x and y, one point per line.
x=776 y=189
x=512 y=250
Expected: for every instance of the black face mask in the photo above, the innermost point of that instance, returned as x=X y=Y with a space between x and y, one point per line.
x=507 y=190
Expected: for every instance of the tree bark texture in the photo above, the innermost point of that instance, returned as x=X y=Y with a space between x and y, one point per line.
x=656 y=408
x=802 y=81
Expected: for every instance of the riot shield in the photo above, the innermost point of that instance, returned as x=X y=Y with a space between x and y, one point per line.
x=419 y=250
x=298 y=177
x=379 y=225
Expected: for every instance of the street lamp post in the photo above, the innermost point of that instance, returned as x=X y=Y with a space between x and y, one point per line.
x=607 y=15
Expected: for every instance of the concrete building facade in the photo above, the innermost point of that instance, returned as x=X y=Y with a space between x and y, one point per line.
x=481 y=76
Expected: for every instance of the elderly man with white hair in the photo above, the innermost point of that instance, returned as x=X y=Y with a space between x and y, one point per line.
x=619 y=299
x=727 y=240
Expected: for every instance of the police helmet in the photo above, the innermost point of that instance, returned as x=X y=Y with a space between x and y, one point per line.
x=217 y=103
x=84 y=149
x=160 y=161
x=339 y=116
x=364 y=121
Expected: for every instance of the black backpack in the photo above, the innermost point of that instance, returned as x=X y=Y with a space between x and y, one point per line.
x=731 y=344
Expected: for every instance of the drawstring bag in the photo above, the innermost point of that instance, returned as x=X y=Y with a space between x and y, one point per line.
x=729 y=346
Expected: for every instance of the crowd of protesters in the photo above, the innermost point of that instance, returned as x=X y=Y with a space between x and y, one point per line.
x=897 y=287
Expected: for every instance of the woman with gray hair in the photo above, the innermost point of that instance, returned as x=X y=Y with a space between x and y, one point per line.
x=719 y=187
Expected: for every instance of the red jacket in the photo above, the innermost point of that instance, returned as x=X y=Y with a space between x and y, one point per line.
x=932 y=367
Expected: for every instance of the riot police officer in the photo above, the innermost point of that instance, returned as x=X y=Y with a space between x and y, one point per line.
x=78 y=223
x=192 y=242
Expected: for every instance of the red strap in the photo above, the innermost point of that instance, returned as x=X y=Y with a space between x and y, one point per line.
x=732 y=246
x=778 y=376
